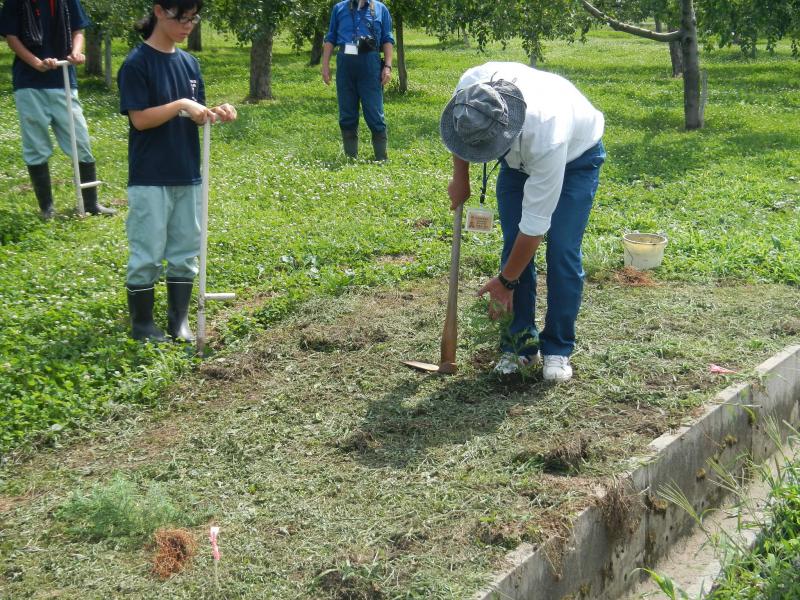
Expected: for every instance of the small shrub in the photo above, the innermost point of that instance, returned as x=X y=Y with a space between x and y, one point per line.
x=118 y=510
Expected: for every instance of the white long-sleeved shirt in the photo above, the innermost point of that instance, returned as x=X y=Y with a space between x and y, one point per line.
x=560 y=125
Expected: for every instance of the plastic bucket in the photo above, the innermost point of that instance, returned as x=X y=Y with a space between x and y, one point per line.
x=644 y=250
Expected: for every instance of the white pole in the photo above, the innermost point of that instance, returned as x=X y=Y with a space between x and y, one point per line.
x=201 y=308
x=76 y=173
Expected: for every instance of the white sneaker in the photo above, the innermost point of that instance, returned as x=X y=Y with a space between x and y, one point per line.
x=512 y=363
x=556 y=368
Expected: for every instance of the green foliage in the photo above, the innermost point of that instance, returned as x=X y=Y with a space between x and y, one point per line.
x=666 y=585
x=250 y=20
x=771 y=570
x=533 y=22
x=118 y=510
x=743 y=22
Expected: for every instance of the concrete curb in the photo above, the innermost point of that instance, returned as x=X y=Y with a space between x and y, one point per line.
x=599 y=558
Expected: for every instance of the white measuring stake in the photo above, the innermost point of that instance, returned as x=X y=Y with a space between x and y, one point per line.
x=203 y=296
x=76 y=170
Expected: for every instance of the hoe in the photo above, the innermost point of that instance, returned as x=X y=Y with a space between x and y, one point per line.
x=447 y=362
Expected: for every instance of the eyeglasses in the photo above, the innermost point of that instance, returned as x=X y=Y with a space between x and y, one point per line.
x=194 y=19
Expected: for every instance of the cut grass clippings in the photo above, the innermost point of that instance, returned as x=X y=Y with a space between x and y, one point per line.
x=335 y=472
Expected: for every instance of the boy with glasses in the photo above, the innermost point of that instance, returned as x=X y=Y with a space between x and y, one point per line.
x=158 y=84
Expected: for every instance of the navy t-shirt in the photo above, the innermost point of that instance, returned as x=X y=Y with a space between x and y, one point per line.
x=168 y=154
x=25 y=76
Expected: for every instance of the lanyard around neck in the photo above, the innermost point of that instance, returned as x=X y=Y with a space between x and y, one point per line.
x=486 y=177
x=355 y=9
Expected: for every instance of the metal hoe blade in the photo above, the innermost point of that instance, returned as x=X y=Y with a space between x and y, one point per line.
x=447 y=368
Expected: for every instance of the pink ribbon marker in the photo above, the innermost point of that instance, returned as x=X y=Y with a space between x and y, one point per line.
x=720 y=370
x=213 y=537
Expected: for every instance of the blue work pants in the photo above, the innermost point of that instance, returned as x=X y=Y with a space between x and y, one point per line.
x=563 y=257
x=358 y=80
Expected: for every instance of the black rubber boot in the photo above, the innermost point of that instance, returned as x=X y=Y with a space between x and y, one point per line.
x=140 y=305
x=88 y=173
x=40 y=178
x=350 y=142
x=379 y=142
x=179 y=295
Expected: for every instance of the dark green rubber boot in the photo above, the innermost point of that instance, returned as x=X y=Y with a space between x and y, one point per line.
x=179 y=296
x=140 y=304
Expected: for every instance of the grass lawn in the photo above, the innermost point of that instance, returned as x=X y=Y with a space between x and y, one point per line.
x=332 y=471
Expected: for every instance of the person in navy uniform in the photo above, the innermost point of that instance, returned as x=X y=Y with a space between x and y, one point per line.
x=40 y=33
x=360 y=28
x=158 y=84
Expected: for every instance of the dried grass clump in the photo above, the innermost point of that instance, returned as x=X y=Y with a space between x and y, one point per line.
x=632 y=277
x=620 y=508
x=174 y=550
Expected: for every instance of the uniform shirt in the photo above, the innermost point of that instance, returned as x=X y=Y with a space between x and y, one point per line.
x=23 y=75
x=348 y=25
x=170 y=153
x=560 y=125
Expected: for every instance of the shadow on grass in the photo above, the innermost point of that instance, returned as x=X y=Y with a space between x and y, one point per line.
x=397 y=432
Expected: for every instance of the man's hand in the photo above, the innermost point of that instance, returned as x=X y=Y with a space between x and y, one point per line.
x=326 y=74
x=197 y=112
x=386 y=74
x=501 y=299
x=225 y=112
x=48 y=64
x=77 y=58
x=459 y=191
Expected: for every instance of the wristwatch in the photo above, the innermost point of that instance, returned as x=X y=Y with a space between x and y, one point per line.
x=508 y=284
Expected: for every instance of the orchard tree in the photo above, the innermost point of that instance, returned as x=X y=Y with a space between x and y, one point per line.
x=533 y=21
x=309 y=23
x=742 y=22
x=411 y=13
x=109 y=19
x=687 y=35
x=254 y=22
x=537 y=21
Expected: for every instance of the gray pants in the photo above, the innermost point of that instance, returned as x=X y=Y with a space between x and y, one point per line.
x=163 y=224
x=39 y=110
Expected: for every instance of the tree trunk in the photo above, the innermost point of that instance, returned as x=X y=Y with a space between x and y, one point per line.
x=401 y=54
x=465 y=37
x=108 y=67
x=196 y=39
x=535 y=50
x=316 y=47
x=691 y=67
x=658 y=25
x=94 y=54
x=261 y=66
x=676 y=57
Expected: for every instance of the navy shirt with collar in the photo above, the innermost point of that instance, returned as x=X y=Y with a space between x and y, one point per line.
x=169 y=154
x=23 y=75
x=344 y=16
